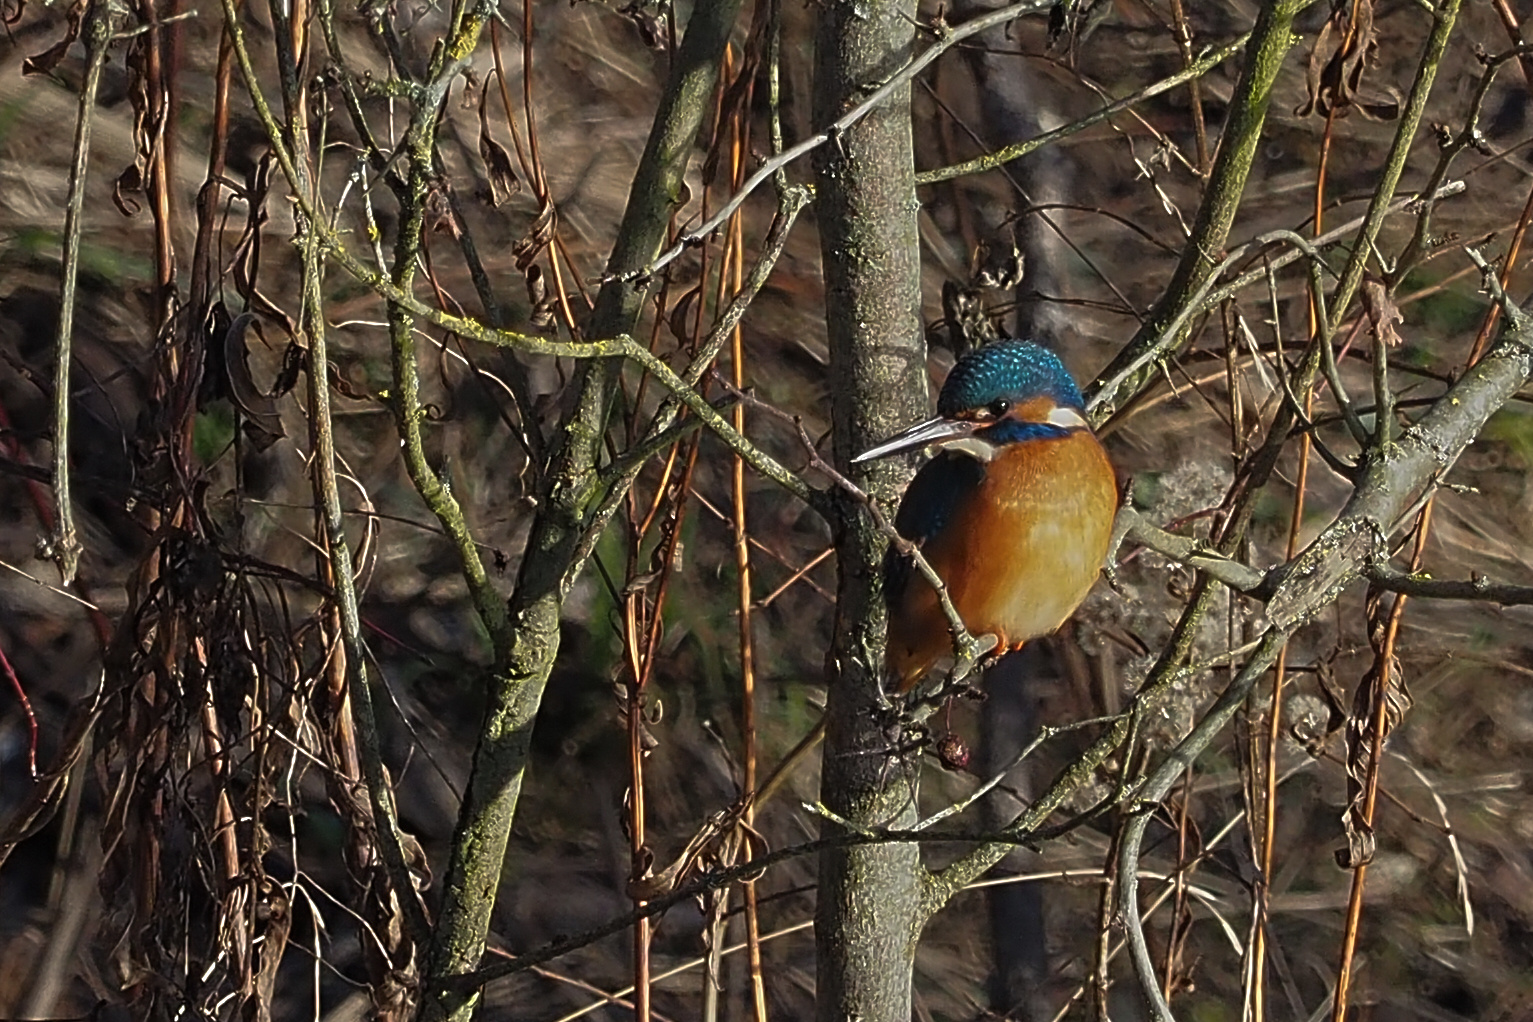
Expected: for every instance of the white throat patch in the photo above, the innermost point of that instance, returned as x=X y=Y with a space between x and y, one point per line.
x=975 y=447
x=1066 y=418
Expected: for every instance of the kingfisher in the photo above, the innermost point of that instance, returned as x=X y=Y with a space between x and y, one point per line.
x=1014 y=512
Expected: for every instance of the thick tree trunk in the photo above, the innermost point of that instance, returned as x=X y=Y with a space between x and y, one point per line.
x=870 y=909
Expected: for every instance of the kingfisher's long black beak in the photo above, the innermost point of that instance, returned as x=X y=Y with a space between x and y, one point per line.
x=936 y=431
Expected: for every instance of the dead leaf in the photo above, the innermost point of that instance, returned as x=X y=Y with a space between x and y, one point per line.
x=1360 y=738
x=996 y=263
x=275 y=912
x=1383 y=313
x=967 y=318
x=651 y=23
x=681 y=314
x=538 y=236
x=131 y=180
x=497 y=161
x=1341 y=54
x=263 y=424
x=543 y=303
x=440 y=218
x=146 y=130
x=49 y=59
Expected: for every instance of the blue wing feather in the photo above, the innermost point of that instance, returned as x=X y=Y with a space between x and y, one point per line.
x=929 y=503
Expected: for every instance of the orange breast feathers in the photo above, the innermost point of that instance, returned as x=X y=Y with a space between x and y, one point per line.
x=1019 y=554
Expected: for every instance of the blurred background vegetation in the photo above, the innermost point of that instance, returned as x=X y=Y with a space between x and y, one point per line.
x=185 y=684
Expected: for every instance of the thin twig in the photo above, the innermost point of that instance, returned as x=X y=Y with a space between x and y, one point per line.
x=1104 y=393
x=894 y=84
x=65 y=542
x=1476 y=588
x=1191 y=73
x=1411 y=114
x=1154 y=789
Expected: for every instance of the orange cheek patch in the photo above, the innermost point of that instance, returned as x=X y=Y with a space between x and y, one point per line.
x=1035 y=410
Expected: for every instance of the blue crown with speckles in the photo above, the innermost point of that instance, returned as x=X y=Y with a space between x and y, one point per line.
x=1007 y=369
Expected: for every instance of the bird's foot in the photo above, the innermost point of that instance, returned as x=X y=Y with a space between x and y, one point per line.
x=976 y=655
x=1002 y=649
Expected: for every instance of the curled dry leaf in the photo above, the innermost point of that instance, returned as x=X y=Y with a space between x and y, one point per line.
x=650 y=20
x=1383 y=313
x=1360 y=733
x=263 y=424
x=497 y=161
x=967 y=318
x=43 y=63
x=681 y=311
x=538 y=237
x=274 y=913
x=440 y=218
x=147 y=125
x=129 y=183
x=996 y=263
x=1341 y=54
x=343 y=384
x=543 y=304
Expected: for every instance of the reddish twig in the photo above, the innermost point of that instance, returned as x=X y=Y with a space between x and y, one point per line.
x=26 y=708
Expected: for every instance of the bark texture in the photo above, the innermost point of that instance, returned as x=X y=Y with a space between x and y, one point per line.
x=870 y=909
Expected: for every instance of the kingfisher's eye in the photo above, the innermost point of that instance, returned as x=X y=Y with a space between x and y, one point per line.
x=998 y=407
